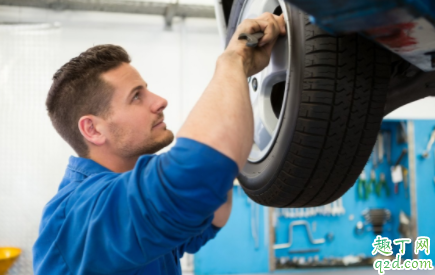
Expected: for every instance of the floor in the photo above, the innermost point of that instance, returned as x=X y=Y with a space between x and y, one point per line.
x=349 y=271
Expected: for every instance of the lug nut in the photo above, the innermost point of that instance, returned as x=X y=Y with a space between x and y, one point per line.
x=254 y=84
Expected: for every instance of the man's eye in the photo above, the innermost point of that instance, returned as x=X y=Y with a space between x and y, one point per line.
x=136 y=96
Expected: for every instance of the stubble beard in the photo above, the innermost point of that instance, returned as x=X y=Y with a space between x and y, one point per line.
x=154 y=146
x=149 y=146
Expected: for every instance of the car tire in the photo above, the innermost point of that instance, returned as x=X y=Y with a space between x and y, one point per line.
x=336 y=91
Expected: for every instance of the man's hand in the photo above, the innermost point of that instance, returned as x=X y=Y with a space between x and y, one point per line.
x=256 y=59
x=222 y=118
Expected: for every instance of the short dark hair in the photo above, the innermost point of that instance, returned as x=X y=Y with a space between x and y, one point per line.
x=79 y=90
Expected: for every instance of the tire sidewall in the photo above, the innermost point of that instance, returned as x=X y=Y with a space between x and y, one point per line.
x=256 y=177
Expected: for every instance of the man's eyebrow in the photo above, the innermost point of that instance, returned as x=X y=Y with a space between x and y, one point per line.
x=134 y=90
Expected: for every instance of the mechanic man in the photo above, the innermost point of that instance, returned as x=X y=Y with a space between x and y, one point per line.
x=120 y=210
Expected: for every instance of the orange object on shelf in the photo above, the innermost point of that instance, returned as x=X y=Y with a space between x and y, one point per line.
x=8 y=255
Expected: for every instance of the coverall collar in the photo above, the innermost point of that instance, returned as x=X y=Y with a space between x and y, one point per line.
x=86 y=167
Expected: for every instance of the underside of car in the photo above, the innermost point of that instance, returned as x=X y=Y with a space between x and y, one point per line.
x=319 y=104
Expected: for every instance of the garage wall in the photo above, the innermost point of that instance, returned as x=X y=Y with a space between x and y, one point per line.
x=420 y=109
x=177 y=64
x=425 y=182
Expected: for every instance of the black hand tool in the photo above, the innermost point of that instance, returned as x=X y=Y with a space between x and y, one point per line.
x=252 y=39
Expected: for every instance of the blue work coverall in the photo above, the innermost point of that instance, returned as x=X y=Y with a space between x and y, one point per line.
x=137 y=222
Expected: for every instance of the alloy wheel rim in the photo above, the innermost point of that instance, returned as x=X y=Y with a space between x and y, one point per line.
x=268 y=89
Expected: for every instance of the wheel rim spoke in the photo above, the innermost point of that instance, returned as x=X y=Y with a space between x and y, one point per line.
x=276 y=71
x=262 y=133
x=267 y=84
x=256 y=8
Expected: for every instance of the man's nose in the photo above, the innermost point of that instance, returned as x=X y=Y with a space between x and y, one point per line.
x=159 y=104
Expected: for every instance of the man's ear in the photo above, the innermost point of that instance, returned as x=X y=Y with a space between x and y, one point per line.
x=88 y=126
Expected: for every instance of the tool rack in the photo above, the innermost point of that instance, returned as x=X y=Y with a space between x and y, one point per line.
x=259 y=239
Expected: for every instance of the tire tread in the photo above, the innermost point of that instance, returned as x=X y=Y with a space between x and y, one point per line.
x=342 y=105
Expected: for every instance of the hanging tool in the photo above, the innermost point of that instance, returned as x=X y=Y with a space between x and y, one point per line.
x=361 y=186
x=359 y=228
x=378 y=187
x=380 y=147
x=402 y=137
x=330 y=237
x=290 y=235
x=300 y=251
x=375 y=155
x=313 y=211
x=341 y=209
x=404 y=225
x=429 y=145
x=371 y=184
x=377 y=217
x=334 y=210
x=396 y=176
x=397 y=171
x=382 y=184
x=404 y=152
x=252 y=39
x=387 y=140
x=405 y=173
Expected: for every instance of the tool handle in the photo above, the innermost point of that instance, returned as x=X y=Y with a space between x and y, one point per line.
x=404 y=152
x=252 y=39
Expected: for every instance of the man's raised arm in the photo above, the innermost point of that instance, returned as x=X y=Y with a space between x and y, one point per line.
x=222 y=118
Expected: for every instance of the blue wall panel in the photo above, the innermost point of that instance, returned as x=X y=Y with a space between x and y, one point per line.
x=234 y=250
x=425 y=184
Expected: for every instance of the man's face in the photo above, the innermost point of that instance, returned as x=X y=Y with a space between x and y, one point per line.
x=135 y=124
